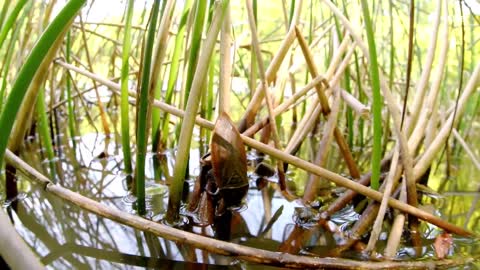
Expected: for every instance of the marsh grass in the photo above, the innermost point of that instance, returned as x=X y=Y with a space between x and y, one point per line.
x=298 y=77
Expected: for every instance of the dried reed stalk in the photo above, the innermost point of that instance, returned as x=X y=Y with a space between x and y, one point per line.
x=295 y=161
x=343 y=146
x=225 y=76
x=267 y=95
x=418 y=100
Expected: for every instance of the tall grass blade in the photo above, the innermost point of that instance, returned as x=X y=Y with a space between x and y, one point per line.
x=174 y=69
x=142 y=116
x=45 y=132
x=377 y=99
x=200 y=11
x=54 y=31
x=124 y=108
x=68 y=89
x=157 y=80
x=9 y=23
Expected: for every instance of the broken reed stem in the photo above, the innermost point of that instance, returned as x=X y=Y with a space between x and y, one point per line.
x=361 y=109
x=256 y=101
x=344 y=149
x=241 y=252
x=295 y=161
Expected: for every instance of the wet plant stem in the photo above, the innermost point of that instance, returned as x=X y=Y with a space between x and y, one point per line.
x=142 y=116
x=377 y=99
x=124 y=110
x=173 y=73
x=44 y=132
x=68 y=89
x=192 y=105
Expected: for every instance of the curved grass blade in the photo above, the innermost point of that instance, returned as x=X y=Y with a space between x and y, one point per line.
x=54 y=31
x=9 y=23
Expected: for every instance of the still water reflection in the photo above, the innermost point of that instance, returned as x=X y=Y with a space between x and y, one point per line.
x=67 y=237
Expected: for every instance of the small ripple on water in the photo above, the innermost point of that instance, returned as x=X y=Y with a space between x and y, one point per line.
x=20 y=196
x=130 y=199
x=239 y=208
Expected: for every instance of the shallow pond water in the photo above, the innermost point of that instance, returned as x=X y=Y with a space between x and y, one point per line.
x=65 y=236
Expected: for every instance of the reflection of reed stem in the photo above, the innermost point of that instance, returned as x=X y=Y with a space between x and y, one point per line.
x=213 y=245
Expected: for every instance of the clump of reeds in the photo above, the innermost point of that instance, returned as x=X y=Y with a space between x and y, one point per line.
x=184 y=58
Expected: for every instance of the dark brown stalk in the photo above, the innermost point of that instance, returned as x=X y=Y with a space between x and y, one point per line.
x=409 y=58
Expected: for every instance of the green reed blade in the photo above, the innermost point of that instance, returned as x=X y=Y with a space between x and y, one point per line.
x=3 y=13
x=45 y=132
x=377 y=99
x=6 y=64
x=68 y=88
x=124 y=115
x=9 y=23
x=53 y=32
x=174 y=68
x=142 y=111
x=199 y=21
